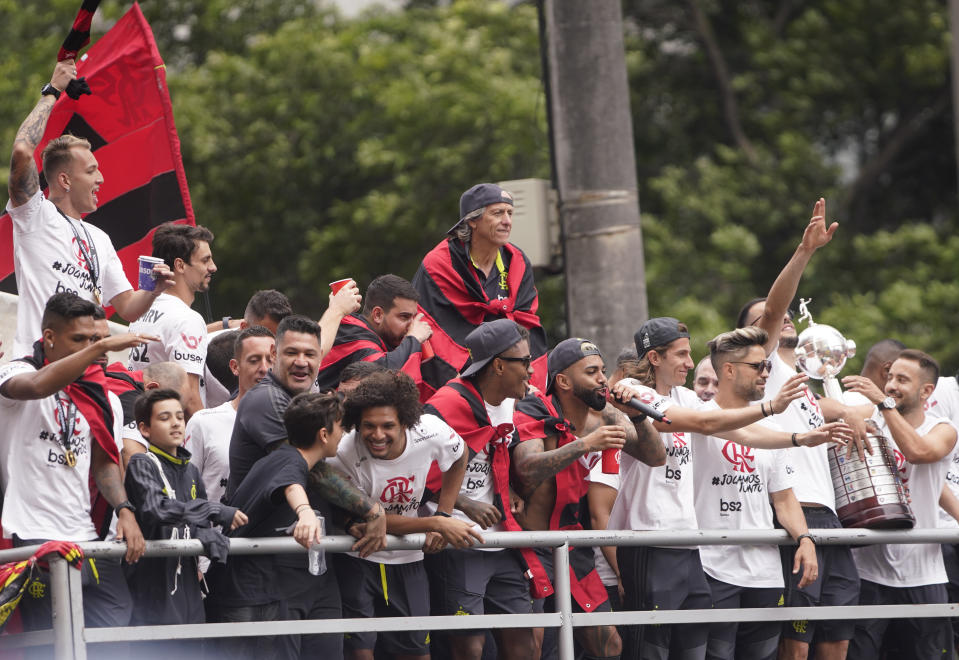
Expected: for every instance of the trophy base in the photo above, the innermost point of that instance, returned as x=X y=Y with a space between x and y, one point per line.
x=870 y=514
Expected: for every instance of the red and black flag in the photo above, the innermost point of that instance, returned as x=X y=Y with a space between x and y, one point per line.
x=128 y=120
x=356 y=341
x=536 y=417
x=454 y=302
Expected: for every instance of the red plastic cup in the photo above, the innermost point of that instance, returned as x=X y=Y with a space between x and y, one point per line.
x=339 y=284
x=611 y=459
x=427 y=349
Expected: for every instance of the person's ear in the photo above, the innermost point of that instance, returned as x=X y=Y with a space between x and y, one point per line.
x=144 y=429
x=654 y=358
x=926 y=391
x=563 y=381
x=48 y=336
x=377 y=314
x=179 y=265
x=234 y=367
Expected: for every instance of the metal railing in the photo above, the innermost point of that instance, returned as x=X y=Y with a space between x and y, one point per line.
x=70 y=637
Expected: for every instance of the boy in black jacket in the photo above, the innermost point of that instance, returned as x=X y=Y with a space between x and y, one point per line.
x=170 y=502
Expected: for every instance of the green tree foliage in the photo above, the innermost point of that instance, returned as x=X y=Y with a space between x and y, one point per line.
x=336 y=148
x=746 y=112
x=318 y=147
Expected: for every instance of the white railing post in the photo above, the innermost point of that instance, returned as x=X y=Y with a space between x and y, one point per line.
x=66 y=593
x=564 y=603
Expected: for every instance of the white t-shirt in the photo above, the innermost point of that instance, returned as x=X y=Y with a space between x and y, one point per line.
x=44 y=498
x=910 y=564
x=944 y=402
x=208 y=436
x=182 y=334
x=118 y=437
x=605 y=571
x=659 y=498
x=48 y=259
x=398 y=484
x=732 y=492
x=813 y=482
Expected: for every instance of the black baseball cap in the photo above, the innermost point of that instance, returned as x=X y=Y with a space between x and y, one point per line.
x=655 y=332
x=480 y=196
x=488 y=340
x=567 y=353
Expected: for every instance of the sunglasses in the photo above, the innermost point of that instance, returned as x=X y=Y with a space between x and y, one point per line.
x=524 y=360
x=761 y=366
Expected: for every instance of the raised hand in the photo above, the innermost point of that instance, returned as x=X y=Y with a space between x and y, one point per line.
x=817 y=234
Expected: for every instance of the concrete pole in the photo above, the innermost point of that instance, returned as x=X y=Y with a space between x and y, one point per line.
x=595 y=170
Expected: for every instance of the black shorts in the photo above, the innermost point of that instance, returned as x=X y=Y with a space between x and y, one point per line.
x=918 y=638
x=474 y=581
x=753 y=640
x=372 y=589
x=663 y=579
x=837 y=584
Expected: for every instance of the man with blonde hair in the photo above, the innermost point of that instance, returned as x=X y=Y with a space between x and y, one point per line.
x=54 y=250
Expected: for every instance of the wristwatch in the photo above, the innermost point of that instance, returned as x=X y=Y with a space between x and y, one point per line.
x=125 y=504
x=51 y=90
x=888 y=403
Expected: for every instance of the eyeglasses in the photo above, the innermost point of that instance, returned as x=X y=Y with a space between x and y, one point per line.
x=524 y=360
x=761 y=366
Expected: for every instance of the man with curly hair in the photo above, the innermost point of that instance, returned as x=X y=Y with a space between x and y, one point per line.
x=387 y=455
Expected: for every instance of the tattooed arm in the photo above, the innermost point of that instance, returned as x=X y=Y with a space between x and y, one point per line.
x=24 y=179
x=533 y=465
x=337 y=490
x=642 y=440
x=106 y=474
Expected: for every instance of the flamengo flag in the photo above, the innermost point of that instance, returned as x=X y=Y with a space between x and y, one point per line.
x=129 y=123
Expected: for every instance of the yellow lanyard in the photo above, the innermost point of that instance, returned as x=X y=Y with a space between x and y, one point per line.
x=500 y=266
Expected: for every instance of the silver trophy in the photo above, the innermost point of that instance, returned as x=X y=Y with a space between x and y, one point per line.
x=822 y=351
x=869 y=492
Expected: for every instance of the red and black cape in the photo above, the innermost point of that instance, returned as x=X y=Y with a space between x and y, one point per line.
x=453 y=299
x=537 y=416
x=459 y=404
x=356 y=341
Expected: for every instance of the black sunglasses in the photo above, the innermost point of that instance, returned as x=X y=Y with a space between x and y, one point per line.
x=524 y=360
x=761 y=366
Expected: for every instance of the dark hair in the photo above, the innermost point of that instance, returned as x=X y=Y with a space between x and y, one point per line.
x=246 y=333
x=928 y=367
x=99 y=313
x=218 y=355
x=308 y=413
x=143 y=406
x=172 y=241
x=65 y=306
x=268 y=303
x=384 y=290
x=359 y=370
x=884 y=350
x=297 y=323
x=741 y=320
x=386 y=388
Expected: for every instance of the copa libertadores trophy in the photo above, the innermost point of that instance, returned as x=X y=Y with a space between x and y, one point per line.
x=869 y=492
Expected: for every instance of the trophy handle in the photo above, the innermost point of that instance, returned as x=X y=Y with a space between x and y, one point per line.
x=830 y=385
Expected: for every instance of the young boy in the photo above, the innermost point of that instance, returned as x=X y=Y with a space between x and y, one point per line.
x=170 y=503
x=387 y=455
x=278 y=587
